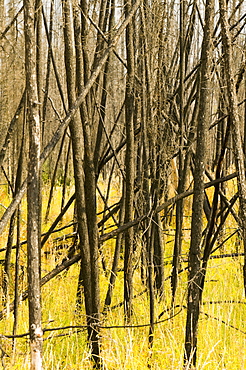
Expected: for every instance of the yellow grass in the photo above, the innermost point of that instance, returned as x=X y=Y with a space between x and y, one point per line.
x=222 y=326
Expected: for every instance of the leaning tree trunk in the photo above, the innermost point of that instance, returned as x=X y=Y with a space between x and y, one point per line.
x=193 y=301
x=235 y=121
x=33 y=190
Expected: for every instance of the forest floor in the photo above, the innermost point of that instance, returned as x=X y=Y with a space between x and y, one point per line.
x=222 y=325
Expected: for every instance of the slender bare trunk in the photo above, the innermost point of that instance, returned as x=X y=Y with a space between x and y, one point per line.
x=195 y=273
x=234 y=116
x=129 y=166
x=33 y=190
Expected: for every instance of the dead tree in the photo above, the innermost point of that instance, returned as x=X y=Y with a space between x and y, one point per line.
x=33 y=189
x=193 y=300
x=235 y=120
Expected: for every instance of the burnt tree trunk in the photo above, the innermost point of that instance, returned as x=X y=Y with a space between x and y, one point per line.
x=86 y=183
x=235 y=121
x=195 y=272
x=129 y=166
